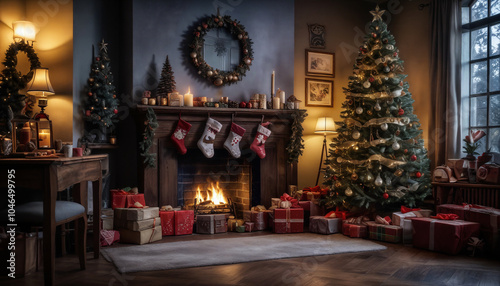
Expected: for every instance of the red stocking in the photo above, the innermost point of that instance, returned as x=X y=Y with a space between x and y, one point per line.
x=179 y=134
x=258 y=144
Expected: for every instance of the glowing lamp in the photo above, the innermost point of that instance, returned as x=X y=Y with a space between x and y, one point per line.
x=24 y=31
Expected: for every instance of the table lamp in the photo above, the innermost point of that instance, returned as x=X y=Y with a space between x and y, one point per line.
x=40 y=86
x=24 y=31
x=325 y=125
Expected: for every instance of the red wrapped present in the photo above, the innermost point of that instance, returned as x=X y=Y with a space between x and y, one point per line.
x=132 y=201
x=184 y=221
x=249 y=226
x=259 y=218
x=459 y=210
x=118 y=199
x=384 y=232
x=354 y=230
x=448 y=236
x=340 y=214
x=488 y=218
x=288 y=220
x=167 y=222
x=109 y=237
x=323 y=225
x=220 y=223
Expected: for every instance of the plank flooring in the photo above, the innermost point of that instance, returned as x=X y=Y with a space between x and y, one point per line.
x=397 y=265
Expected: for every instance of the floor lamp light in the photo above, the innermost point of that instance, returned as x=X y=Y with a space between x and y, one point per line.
x=325 y=125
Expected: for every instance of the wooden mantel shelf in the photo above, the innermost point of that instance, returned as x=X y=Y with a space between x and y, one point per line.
x=213 y=110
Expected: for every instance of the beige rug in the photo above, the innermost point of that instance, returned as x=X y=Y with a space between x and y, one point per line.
x=194 y=253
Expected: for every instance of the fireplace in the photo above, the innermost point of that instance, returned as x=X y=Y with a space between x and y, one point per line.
x=175 y=178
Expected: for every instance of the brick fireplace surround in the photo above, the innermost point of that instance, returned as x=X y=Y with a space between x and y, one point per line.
x=160 y=183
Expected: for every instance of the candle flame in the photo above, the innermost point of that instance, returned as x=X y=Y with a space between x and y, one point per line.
x=214 y=194
x=189 y=89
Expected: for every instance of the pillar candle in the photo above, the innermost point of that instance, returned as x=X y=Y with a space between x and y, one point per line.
x=282 y=98
x=276 y=102
x=44 y=139
x=188 y=98
x=272 y=84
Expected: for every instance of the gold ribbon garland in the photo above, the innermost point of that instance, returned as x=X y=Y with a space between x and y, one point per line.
x=401 y=121
x=389 y=163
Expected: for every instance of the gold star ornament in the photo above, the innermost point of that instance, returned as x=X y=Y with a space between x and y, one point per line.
x=377 y=14
x=104 y=46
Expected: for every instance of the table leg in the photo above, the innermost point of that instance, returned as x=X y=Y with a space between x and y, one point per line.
x=97 y=198
x=49 y=228
x=80 y=196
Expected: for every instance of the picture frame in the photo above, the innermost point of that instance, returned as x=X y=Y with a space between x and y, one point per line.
x=320 y=63
x=319 y=92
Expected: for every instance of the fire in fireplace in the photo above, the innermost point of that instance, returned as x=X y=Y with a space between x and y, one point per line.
x=212 y=201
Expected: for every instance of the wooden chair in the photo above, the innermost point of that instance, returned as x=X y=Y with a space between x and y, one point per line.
x=31 y=215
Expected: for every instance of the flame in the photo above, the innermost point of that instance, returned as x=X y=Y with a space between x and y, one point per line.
x=214 y=194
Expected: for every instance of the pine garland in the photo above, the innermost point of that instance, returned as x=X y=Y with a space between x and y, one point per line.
x=295 y=146
x=147 y=138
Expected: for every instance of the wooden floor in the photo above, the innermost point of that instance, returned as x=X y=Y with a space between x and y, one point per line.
x=398 y=265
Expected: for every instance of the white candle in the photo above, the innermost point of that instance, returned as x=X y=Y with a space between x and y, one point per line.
x=276 y=102
x=282 y=98
x=44 y=139
x=272 y=84
x=188 y=98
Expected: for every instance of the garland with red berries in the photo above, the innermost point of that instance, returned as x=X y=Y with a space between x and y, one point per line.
x=216 y=76
x=147 y=138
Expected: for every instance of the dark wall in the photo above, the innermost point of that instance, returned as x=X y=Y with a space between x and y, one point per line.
x=160 y=28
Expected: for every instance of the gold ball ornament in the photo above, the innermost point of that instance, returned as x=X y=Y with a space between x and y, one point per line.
x=398 y=172
x=218 y=81
x=348 y=192
x=193 y=55
x=210 y=73
x=354 y=176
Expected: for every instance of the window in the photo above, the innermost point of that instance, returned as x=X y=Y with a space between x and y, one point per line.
x=481 y=71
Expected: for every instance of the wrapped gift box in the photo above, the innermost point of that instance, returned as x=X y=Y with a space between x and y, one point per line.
x=320 y=224
x=488 y=218
x=404 y=221
x=343 y=215
x=384 y=232
x=311 y=209
x=313 y=196
x=118 y=199
x=140 y=237
x=167 y=222
x=184 y=221
x=249 y=226
x=205 y=224
x=288 y=220
x=276 y=202
x=109 y=237
x=260 y=218
x=137 y=214
x=354 y=230
x=137 y=225
x=459 y=210
x=489 y=173
x=232 y=223
x=132 y=199
x=448 y=236
x=220 y=223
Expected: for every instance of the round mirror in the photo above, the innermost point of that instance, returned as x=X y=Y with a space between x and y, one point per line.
x=221 y=50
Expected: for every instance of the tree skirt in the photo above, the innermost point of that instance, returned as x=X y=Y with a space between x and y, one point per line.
x=194 y=253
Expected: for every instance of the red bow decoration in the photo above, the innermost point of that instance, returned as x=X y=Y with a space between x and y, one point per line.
x=316 y=189
x=446 y=216
x=287 y=197
x=407 y=210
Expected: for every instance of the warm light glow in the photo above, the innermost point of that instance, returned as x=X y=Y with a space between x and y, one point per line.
x=325 y=125
x=214 y=194
x=40 y=83
x=24 y=30
x=44 y=138
x=189 y=90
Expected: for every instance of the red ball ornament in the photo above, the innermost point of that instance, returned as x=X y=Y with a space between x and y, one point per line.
x=243 y=104
x=115 y=111
x=418 y=174
x=413 y=157
x=97 y=58
x=395 y=54
x=371 y=79
x=385 y=196
x=374 y=35
x=87 y=113
x=406 y=151
x=401 y=111
x=249 y=105
x=90 y=93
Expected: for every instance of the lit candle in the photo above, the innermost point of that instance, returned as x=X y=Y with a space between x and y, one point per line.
x=188 y=98
x=272 y=84
x=44 y=139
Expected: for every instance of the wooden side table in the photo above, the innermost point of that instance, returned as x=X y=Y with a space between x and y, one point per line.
x=464 y=192
x=52 y=175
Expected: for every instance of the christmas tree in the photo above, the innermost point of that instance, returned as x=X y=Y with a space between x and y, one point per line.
x=378 y=161
x=167 y=82
x=101 y=106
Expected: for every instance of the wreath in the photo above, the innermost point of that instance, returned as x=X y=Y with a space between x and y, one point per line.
x=216 y=76
x=11 y=80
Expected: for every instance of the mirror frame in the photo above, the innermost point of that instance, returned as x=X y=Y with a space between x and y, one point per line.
x=216 y=76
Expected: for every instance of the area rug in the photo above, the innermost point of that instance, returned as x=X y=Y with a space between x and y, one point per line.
x=193 y=253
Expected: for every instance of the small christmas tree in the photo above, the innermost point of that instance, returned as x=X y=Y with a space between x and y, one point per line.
x=378 y=161
x=101 y=106
x=167 y=82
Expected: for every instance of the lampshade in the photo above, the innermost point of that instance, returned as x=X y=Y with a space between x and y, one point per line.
x=325 y=125
x=24 y=30
x=40 y=83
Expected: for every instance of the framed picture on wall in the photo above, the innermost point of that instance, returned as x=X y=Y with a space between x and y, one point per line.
x=319 y=92
x=320 y=63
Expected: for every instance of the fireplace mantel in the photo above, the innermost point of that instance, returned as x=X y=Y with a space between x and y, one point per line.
x=160 y=183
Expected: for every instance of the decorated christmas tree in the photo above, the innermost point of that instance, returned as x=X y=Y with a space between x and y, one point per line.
x=101 y=105
x=167 y=82
x=378 y=161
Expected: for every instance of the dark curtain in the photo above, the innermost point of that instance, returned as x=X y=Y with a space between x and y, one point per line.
x=445 y=80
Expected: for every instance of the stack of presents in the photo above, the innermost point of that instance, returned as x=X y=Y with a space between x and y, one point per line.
x=453 y=229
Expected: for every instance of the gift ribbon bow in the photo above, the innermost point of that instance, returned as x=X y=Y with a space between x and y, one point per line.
x=316 y=189
x=407 y=210
x=287 y=197
x=446 y=216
